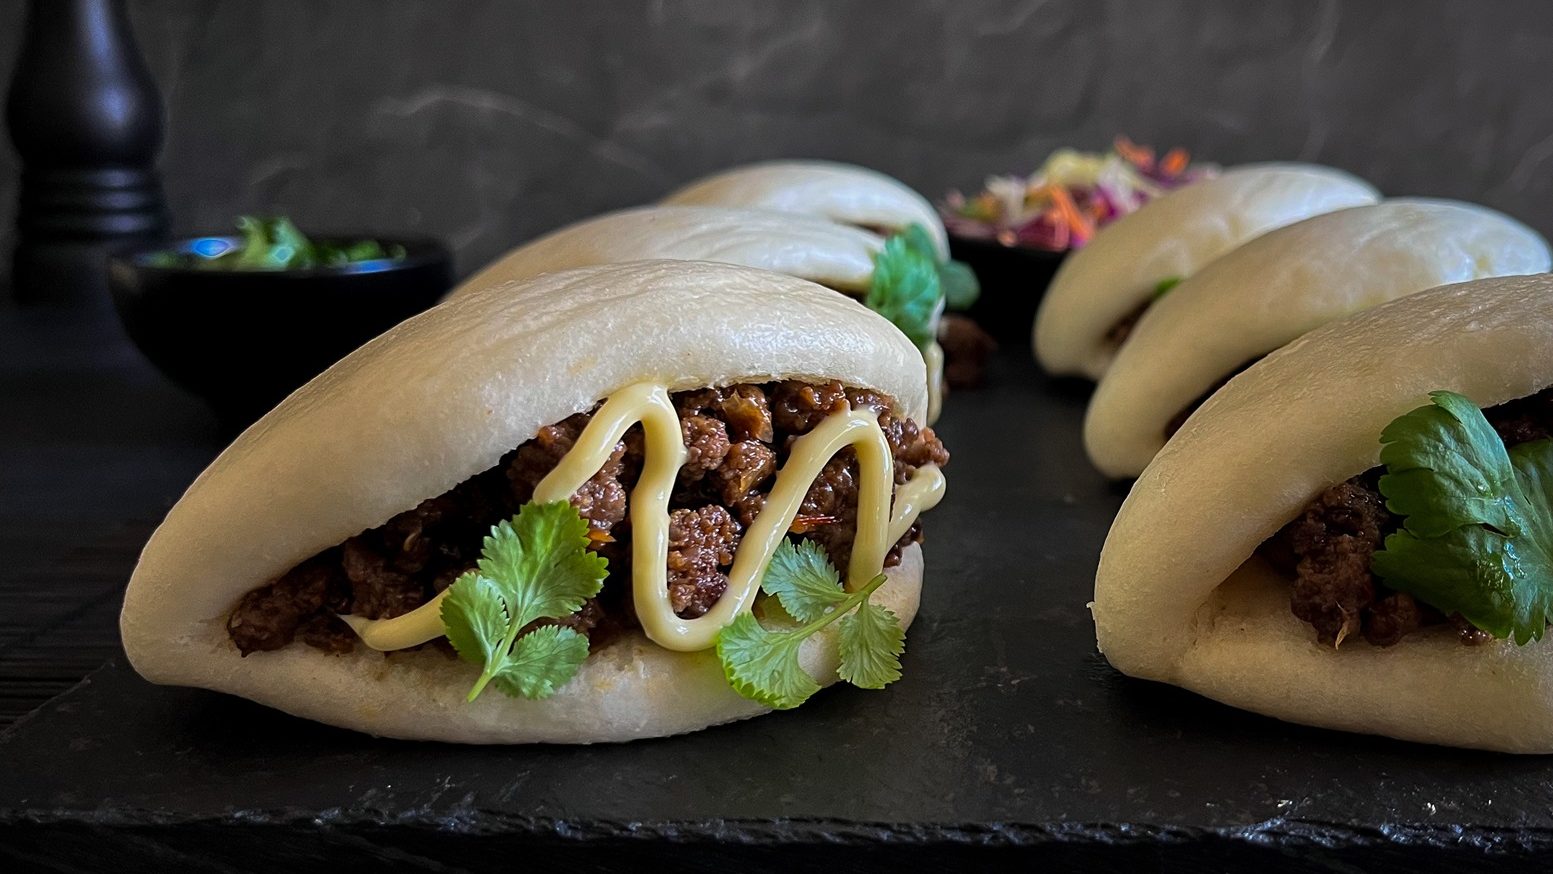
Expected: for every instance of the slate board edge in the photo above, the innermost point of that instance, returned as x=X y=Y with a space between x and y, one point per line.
x=1284 y=834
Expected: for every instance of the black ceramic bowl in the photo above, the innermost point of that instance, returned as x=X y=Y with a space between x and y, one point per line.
x=244 y=339
x=1012 y=283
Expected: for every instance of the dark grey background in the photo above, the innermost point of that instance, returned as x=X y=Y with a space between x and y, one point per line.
x=489 y=122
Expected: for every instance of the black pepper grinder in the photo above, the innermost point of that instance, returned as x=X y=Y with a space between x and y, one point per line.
x=85 y=117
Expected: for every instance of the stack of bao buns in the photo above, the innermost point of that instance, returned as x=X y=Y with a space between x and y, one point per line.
x=843 y=193
x=1168 y=303
x=728 y=291
x=1253 y=391
x=1185 y=595
x=1102 y=288
x=1268 y=292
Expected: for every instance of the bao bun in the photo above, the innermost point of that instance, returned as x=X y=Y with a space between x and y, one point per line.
x=1180 y=596
x=809 y=247
x=844 y=193
x=440 y=398
x=1279 y=286
x=1172 y=238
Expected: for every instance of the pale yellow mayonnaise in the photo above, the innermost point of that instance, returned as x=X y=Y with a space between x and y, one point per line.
x=877 y=526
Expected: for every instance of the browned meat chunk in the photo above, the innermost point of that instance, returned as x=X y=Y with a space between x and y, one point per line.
x=746 y=467
x=747 y=413
x=706 y=444
x=1122 y=329
x=268 y=618
x=701 y=543
x=796 y=407
x=1333 y=542
x=377 y=590
x=966 y=350
x=1393 y=617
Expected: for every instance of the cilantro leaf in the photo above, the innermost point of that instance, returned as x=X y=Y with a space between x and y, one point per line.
x=277 y=244
x=919 y=239
x=763 y=665
x=803 y=580
x=961 y=288
x=541 y=563
x=1477 y=538
x=872 y=641
x=269 y=244
x=1164 y=286
x=536 y=566
x=958 y=280
x=475 y=618
x=1446 y=467
x=905 y=289
x=542 y=661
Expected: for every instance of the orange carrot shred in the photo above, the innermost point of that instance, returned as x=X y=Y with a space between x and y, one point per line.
x=1068 y=212
x=1141 y=156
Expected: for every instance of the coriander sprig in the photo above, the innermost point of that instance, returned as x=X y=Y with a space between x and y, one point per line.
x=958 y=280
x=1477 y=537
x=762 y=664
x=537 y=566
x=906 y=289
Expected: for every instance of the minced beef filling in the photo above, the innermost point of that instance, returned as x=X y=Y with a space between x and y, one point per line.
x=1122 y=329
x=735 y=438
x=1328 y=548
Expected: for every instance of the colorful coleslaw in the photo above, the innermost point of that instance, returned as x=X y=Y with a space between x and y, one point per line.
x=1072 y=195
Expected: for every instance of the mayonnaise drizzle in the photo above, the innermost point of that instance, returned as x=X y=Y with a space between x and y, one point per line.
x=877 y=526
x=933 y=357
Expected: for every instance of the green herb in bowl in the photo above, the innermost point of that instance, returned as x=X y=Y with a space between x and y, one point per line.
x=277 y=244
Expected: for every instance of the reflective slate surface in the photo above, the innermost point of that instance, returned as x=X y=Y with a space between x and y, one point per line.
x=1008 y=741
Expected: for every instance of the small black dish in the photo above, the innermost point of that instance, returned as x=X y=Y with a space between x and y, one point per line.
x=244 y=339
x=1012 y=281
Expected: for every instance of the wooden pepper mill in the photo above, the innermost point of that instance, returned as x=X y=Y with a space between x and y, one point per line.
x=85 y=117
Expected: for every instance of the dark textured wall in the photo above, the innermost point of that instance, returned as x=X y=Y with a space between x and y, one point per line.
x=489 y=122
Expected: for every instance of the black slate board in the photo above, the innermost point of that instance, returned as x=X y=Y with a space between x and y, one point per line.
x=1008 y=742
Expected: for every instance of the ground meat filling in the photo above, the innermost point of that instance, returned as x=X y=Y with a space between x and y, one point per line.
x=1328 y=549
x=967 y=348
x=1122 y=329
x=735 y=439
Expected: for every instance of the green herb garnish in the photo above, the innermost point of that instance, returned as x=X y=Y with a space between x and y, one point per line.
x=535 y=567
x=762 y=664
x=906 y=290
x=961 y=289
x=958 y=280
x=1164 y=286
x=276 y=244
x=1477 y=538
